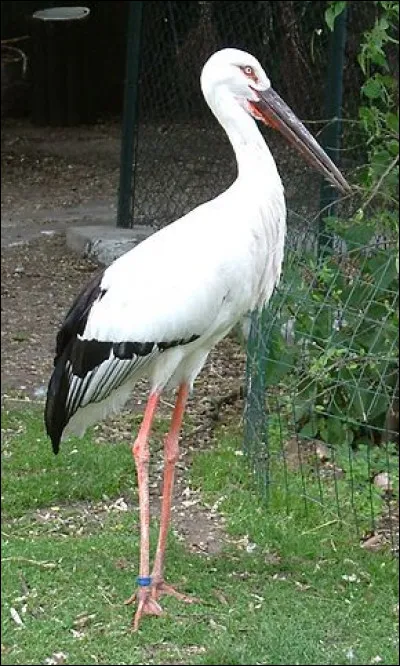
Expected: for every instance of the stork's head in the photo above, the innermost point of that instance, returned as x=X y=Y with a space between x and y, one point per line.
x=240 y=74
x=236 y=70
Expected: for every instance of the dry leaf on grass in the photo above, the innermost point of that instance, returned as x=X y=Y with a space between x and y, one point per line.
x=56 y=658
x=373 y=543
x=83 y=620
x=382 y=482
x=16 y=617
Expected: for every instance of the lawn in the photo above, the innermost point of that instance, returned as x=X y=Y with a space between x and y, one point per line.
x=284 y=589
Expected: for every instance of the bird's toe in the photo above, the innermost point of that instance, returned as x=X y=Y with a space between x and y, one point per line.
x=147 y=605
x=161 y=587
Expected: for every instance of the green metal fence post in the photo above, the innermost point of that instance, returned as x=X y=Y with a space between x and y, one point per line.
x=129 y=120
x=333 y=110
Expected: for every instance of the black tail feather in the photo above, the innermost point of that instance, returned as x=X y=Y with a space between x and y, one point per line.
x=55 y=413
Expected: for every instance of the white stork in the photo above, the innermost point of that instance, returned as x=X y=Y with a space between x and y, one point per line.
x=158 y=310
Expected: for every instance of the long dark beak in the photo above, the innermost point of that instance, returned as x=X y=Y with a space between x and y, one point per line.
x=273 y=111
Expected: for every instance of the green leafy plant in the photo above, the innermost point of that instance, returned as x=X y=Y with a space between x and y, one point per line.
x=378 y=115
x=343 y=308
x=337 y=367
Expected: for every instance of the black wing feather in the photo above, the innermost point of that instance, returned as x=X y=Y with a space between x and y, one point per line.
x=56 y=415
x=78 y=363
x=76 y=318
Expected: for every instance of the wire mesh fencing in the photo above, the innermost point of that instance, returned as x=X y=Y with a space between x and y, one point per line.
x=321 y=422
x=182 y=156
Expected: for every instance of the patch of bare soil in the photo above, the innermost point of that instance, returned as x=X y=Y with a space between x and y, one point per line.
x=39 y=282
x=45 y=168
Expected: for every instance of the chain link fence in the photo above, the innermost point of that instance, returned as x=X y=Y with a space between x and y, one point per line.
x=322 y=398
x=183 y=157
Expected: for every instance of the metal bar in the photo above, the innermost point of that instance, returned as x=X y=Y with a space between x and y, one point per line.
x=333 y=109
x=129 y=120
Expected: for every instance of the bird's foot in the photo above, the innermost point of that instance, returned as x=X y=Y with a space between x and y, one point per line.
x=160 y=587
x=147 y=599
x=147 y=605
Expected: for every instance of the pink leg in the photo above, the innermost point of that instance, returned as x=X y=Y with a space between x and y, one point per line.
x=140 y=450
x=171 y=454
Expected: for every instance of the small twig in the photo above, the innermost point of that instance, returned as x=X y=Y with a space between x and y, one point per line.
x=317 y=596
x=329 y=121
x=331 y=511
x=103 y=594
x=21 y=528
x=339 y=200
x=343 y=362
x=320 y=527
x=26 y=560
x=378 y=185
x=27 y=399
x=166 y=403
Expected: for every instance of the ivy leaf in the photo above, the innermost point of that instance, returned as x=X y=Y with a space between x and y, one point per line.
x=372 y=88
x=358 y=236
x=309 y=430
x=392 y=121
x=336 y=432
x=333 y=11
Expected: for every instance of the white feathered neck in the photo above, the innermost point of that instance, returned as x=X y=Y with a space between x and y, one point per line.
x=253 y=157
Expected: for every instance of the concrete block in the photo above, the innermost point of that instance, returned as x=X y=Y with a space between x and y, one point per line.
x=105 y=244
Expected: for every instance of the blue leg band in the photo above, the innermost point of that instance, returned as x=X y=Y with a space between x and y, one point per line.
x=143 y=581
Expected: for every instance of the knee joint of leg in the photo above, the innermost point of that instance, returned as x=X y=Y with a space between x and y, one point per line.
x=172 y=459
x=140 y=454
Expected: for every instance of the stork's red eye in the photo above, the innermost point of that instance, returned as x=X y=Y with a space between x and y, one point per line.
x=249 y=72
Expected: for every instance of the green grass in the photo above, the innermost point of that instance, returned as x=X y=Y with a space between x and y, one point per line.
x=306 y=594
x=33 y=477
x=338 y=489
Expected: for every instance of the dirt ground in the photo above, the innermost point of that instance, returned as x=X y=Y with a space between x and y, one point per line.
x=52 y=177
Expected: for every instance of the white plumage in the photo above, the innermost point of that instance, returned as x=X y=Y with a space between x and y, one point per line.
x=158 y=310
x=198 y=276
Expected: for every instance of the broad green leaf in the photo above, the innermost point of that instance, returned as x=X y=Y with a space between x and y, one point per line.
x=310 y=429
x=372 y=89
x=335 y=432
x=333 y=11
